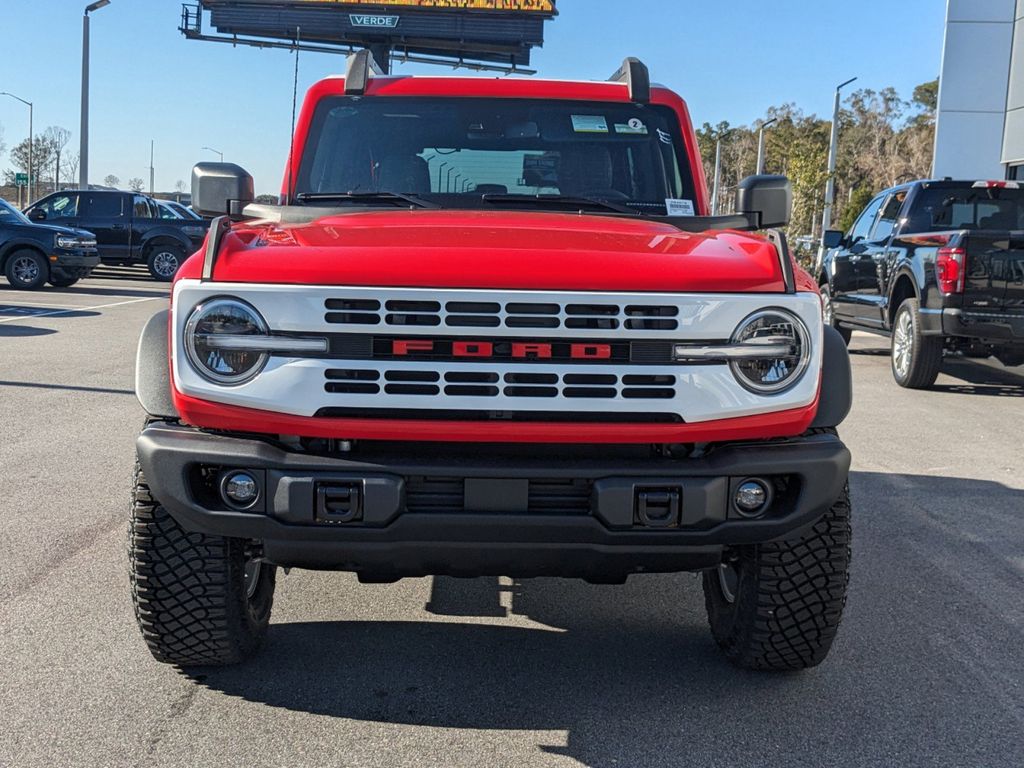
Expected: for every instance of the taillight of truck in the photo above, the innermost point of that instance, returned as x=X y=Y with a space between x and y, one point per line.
x=950 y=269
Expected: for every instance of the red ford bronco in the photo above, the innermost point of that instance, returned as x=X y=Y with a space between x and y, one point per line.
x=492 y=330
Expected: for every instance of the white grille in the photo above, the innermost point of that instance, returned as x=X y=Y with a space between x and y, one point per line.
x=692 y=392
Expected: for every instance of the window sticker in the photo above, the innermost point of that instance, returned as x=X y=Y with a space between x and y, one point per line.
x=675 y=207
x=664 y=136
x=634 y=127
x=589 y=124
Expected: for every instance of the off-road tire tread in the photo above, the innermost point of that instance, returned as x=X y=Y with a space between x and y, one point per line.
x=190 y=601
x=789 y=608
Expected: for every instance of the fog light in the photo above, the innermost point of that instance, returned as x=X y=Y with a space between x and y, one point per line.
x=752 y=498
x=240 y=489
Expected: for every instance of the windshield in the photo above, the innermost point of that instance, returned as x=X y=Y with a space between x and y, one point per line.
x=11 y=215
x=470 y=153
x=967 y=208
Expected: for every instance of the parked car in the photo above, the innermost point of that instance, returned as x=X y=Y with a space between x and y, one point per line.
x=32 y=255
x=172 y=210
x=939 y=267
x=128 y=227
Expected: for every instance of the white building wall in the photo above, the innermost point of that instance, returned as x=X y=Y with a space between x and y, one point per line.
x=1013 y=139
x=973 y=89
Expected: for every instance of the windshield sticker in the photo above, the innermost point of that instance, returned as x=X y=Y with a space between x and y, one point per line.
x=589 y=124
x=634 y=127
x=675 y=207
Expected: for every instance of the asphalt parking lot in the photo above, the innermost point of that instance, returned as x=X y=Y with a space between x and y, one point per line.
x=928 y=669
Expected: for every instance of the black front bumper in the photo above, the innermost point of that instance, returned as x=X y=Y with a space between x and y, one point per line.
x=69 y=265
x=436 y=512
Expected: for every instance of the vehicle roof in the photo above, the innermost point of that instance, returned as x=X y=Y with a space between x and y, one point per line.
x=935 y=183
x=495 y=87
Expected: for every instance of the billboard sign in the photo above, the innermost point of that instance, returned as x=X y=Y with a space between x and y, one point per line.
x=499 y=32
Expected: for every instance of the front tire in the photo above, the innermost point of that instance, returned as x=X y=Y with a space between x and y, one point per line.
x=778 y=606
x=27 y=270
x=199 y=600
x=164 y=261
x=829 y=314
x=916 y=359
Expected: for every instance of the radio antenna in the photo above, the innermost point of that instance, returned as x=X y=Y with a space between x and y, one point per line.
x=295 y=102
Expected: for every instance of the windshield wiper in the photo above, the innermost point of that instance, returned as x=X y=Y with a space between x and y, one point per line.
x=566 y=202
x=365 y=197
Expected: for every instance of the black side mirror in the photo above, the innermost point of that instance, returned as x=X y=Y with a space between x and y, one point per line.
x=767 y=200
x=221 y=189
x=37 y=215
x=834 y=239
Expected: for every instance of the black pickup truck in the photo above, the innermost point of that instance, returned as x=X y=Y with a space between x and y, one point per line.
x=127 y=225
x=939 y=266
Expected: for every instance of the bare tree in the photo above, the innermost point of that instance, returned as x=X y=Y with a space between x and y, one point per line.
x=71 y=164
x=136 y=184
x=57 y=138
x=112 y=181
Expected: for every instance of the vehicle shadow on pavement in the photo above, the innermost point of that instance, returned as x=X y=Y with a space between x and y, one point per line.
x=16 y=331
x=632 y=677
x=982 y=380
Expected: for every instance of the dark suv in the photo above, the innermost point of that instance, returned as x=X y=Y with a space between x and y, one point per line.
x=128 y=227
x=32 y=255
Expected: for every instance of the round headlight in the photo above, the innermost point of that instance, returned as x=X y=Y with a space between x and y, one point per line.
x=774 y=328
x=224 y=318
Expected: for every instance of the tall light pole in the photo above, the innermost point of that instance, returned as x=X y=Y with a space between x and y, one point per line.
x=830 y=187
x=440 y=175
x=31 y=142
x=760 y=145
x=216 y=152
x=152 y=171
x=83 y=154
x=448 y=181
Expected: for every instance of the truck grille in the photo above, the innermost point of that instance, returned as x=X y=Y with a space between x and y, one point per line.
x=483 y=385
x=360 y=313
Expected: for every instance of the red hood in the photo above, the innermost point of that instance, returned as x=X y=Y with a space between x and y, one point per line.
x=514 y=250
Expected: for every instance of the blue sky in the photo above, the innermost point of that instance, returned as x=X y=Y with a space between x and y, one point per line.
x=730 y=59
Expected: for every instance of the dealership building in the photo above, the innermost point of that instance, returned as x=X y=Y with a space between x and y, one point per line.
x=980 y=131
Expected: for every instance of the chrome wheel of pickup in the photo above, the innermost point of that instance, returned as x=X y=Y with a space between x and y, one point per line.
x=903 y=344
x=164 y=261
x=916 y=358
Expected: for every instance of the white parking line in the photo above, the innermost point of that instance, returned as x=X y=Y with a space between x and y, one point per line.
x=23 y=318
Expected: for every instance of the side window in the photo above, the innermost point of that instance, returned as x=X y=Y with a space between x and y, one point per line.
x=60 y=207
x=101 y=205
x=862 y=229
x=889 y=216
x=141 y=208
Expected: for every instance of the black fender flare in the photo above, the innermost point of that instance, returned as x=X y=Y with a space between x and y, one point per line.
x=165 y=235
x=18 y=244
x=153 y=368
x=836 y=383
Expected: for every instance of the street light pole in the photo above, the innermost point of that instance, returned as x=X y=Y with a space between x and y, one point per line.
x=83 y=154
x=440 y=175
x=448 y=181
x=760 y=145
x=830 y=186
x=31 y=144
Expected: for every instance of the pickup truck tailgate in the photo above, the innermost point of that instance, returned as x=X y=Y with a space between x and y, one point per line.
x=995 y=271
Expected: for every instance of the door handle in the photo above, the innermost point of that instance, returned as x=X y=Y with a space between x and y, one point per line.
x=118 y=226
